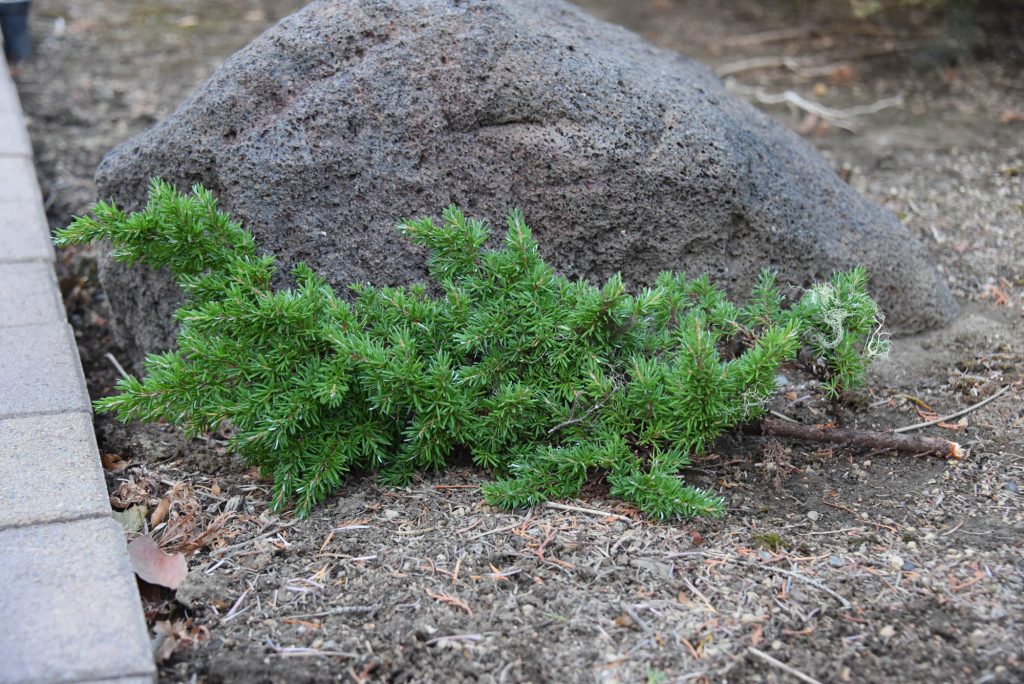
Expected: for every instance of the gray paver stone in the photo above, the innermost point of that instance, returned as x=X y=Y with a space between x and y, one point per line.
x=40 y=371
x=28 y=294
x=24 y=231
x=13 y=136
x=19 y=180
x=50 y=469
x=70 y=605
x=9 y=101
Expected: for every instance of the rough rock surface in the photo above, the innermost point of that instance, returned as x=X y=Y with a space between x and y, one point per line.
x=349 y=115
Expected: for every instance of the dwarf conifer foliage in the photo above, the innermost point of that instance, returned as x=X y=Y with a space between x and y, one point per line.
x=542 y=380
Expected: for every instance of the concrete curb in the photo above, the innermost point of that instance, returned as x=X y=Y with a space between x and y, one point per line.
x=67 y=590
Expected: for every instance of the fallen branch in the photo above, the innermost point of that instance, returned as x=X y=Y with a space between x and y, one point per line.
x=763 y=37
x=872 y=439
x=809 y=66
x=756 y=64
x=840 y=118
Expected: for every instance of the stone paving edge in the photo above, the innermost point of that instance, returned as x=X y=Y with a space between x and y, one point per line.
x=67 y=589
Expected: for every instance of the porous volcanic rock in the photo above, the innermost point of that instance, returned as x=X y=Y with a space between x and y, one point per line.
x=347 y=116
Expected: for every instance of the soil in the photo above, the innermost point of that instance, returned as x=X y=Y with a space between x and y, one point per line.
x=842 y=565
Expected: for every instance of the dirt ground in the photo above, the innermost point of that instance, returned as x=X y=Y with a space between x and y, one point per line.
x=841 y=565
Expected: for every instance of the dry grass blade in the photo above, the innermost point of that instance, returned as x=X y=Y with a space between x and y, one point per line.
x=781 y=665
x=301 y=651
x=588 y=511
x=957 y=414
x=790 y=573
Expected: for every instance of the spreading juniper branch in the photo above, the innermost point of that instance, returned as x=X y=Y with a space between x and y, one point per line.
x=543 y=380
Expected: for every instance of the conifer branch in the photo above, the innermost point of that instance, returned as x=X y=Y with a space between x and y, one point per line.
x=542 y=380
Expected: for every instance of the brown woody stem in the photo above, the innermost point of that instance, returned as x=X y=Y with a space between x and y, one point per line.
x=862 y=438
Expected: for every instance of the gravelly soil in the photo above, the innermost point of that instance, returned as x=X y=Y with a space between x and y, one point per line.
x=848 y=567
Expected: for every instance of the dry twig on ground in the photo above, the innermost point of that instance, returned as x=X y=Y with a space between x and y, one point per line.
x=840 y=118
x=872 y=439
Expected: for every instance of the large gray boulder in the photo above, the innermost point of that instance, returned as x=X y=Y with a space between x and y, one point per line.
x=347 y=116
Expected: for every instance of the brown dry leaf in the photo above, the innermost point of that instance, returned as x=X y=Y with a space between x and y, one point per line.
x=160 y=514
x=184 y=513
x=113 y=462
x=134 y=491
x=843 y=75
x=169 y=636
x=451 y=601
x=997 y=295
x=186 y=540
x=154 y=566
x=808 y=124
x=955 y=427
x=624 y=621
x=166 y=639
x=1011 y=116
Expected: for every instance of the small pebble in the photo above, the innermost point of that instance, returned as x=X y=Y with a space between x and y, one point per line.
x=887 y=632
x=813 y=515
x=1012 y=486
x=895 y=561
x=908 y=566
x=837 y=561
x=776 y=645
x=390 y=514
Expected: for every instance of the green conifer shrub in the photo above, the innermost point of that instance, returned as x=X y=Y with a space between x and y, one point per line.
x=542 y=380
